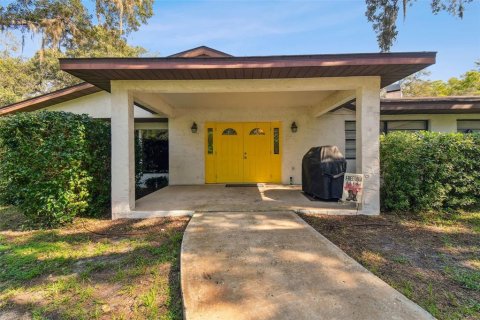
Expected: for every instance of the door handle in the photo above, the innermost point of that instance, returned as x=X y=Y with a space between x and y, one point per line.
x=244 y=155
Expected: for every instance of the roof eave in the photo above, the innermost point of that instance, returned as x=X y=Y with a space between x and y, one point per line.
x=390 y=67
x=408 y=58
x=51 y=98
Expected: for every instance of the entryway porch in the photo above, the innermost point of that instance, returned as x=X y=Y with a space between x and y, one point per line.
x=185 y=200
x=198 y=87
x=192 y=106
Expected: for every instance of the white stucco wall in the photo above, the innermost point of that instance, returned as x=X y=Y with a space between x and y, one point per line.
x=186 y=149
x=187 y=160
x=96 y=105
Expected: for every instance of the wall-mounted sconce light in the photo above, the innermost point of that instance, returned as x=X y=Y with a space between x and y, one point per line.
x=294 y=127
x=194 y=127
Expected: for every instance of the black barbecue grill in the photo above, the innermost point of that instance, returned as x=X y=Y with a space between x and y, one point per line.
x=323 y=169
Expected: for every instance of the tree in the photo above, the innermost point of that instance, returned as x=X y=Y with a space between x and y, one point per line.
x=22 y=78
x=66 y=23
x=467 y=84
x=67 y=30
x=15 y=80
x=384 y=14
x=99 y=43
x=15 y=76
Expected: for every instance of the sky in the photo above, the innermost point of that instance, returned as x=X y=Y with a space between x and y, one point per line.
x=248 y=27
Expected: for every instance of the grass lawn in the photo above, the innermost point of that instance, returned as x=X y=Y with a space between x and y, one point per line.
x=434 y=262
x=93 y=269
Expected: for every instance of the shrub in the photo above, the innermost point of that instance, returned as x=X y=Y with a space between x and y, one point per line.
x=428 y=171
x=55 y=165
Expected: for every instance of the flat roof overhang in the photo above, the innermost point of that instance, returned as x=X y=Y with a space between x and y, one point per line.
x=431 y=105
x=425 y=105
x=52 y=98
x=391 y=67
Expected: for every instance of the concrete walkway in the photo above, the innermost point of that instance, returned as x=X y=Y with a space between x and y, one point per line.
x=275 y=266
x=183 y=200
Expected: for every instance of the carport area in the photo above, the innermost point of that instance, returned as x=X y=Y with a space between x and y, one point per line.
x=185 y=200
x=201 y=91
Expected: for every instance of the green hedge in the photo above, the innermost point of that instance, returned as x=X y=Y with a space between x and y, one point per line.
x=55 y=165
x=429 y=171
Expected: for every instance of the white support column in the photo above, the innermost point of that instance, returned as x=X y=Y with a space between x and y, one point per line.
x=123 y=153
x=368 y=145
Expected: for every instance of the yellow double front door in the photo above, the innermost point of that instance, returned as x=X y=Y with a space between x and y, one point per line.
x=241 y=152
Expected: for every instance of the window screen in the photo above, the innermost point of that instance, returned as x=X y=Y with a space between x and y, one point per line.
x=403 y=125
x=385 y=127
x=468 y=126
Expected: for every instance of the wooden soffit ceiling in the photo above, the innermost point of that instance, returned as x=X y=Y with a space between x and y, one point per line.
x=391 y=67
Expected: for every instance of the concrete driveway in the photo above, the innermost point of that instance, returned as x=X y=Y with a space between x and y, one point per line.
x=275 y=266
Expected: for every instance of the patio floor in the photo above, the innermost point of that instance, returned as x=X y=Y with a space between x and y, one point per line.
x=183 y=200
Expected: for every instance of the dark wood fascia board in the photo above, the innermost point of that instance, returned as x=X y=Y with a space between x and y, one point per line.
x=437 y=110
x=52 y=98
x=433 y=100
x=142 y=120
x=430 y=111
x=404 y=58
x=390 y=67
x=151 y=120
x=431 y=105
x=427 y=105
x=56 y=97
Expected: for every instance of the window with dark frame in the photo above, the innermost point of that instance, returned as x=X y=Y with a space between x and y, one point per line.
x=386 y=126
x=350 y=140
x=229 y=132
x=152 y=145
x=210 y=140
x=276 y=140
x=468 y=126
x=257 y=132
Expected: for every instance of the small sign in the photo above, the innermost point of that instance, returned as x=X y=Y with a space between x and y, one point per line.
x=352 y=188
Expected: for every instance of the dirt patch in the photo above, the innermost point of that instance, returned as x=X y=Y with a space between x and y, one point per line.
x=435 y=264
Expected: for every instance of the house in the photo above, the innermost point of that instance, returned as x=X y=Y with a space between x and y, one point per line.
x=251 y=119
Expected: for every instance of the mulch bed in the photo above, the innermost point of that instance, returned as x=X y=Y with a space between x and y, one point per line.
x=424 y=261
